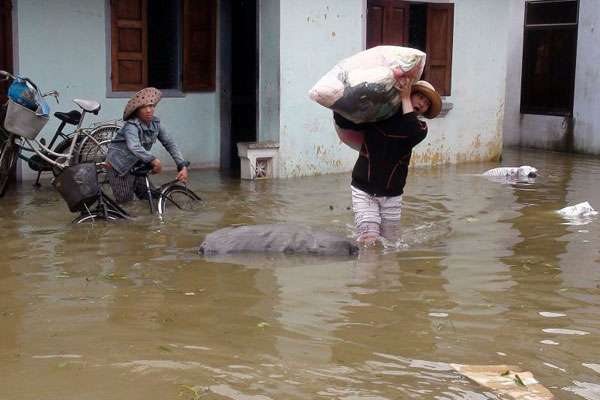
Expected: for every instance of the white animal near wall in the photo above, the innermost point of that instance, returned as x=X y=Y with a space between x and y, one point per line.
x=524 y=171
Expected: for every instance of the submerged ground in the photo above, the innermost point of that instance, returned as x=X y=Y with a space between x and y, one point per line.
x=487 y=274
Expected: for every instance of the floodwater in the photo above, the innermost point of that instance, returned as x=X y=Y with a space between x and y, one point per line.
x=487 y=274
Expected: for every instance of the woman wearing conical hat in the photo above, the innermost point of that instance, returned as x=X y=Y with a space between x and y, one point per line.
x=133 y=143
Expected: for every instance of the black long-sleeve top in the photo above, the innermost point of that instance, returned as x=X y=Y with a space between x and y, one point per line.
x=383 y=160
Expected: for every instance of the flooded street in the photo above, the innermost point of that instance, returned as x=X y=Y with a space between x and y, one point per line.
x=488 y=273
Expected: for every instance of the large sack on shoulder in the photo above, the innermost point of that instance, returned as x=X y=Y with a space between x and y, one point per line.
x=362 y=88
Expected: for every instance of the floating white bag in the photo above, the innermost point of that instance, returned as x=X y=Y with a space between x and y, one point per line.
x=364 y=87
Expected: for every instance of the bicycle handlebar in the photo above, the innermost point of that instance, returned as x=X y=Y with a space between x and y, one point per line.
x=53 y=93
x=7 y=75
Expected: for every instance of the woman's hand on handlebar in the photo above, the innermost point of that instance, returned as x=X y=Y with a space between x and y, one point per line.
x=182 y=176
x=156 y=166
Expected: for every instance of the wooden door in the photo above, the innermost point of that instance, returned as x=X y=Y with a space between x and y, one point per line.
x=6 y=59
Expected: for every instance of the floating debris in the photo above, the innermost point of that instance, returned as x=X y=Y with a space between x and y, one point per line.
x=548 y=314
x=506 y=380
x=565 y=331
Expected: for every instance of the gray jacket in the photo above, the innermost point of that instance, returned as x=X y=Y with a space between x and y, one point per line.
x=134 y=141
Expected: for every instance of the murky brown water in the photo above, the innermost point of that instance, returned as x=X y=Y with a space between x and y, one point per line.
x=130 y=311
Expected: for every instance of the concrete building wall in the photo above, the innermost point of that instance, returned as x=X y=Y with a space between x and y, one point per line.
x=268 y=78
x=63 y=45
x=587 y=80
x=550 y=132
x=472 y=129
x=315 y=34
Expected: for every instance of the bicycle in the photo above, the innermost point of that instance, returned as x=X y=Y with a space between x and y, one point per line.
x=81 y=145
x=171 y=195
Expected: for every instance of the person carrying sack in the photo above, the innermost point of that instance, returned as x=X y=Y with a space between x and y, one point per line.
x=132 y=144
x=385 y=148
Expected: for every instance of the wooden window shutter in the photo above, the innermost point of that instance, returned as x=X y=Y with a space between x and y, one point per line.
x=387 y=22
x=440 y=23
x=129 y=44
x=199 y=45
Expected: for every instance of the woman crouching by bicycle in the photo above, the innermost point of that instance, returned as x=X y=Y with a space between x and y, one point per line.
x=133 y=143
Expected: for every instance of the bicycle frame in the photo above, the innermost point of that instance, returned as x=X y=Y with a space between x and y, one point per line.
x=59 y=160
x=42 y=150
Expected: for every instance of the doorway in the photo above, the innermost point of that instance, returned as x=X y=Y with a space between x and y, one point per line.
x=244 y=75
x=6 y=60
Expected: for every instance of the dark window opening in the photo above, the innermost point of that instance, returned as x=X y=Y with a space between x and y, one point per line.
x=561 y=12
x=164 y=38
x=549 y=53
x=417 y=31
x=243 y=75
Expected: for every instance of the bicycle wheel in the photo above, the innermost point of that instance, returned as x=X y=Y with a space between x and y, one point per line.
x=98 y=216
x=8 y=160
x=178 y=197
x=94 y=150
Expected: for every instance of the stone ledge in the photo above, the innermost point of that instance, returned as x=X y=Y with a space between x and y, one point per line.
x=260 y=145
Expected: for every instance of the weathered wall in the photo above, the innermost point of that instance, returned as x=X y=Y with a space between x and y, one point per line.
x=472 y=130
x=268 y=79
x=316 y=34
x=550 y=132
x=62 y=44
x=587 y=80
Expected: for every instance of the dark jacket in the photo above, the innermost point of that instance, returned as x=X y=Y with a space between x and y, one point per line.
x=383 y=160
x=133 y=143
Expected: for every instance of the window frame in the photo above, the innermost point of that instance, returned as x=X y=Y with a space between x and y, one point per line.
x=445 y=62
x=182 y=91
x=525 y=108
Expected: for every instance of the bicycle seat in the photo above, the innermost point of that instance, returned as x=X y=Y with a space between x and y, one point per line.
x=90 y=106
x=72 y=117
x=141 y=169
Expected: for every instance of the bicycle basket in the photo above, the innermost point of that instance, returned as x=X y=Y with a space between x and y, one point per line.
x=78 y=186
x=22 y=121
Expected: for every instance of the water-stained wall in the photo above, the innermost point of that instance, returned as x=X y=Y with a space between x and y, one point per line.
x=472 y=129
x=316 y=34
x=553 y=132
x=586 y=129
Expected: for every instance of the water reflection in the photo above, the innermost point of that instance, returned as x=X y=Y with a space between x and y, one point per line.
x=487 y=274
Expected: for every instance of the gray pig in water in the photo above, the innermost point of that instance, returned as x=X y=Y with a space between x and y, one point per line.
x=280 y=238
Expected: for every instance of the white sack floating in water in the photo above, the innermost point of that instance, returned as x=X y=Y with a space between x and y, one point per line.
x=578 y=210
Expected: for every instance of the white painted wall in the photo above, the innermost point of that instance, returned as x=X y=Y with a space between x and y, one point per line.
x=62 y=44
x=315 y=34
x=268 y=79
x=587 y=79
x=472 y=130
